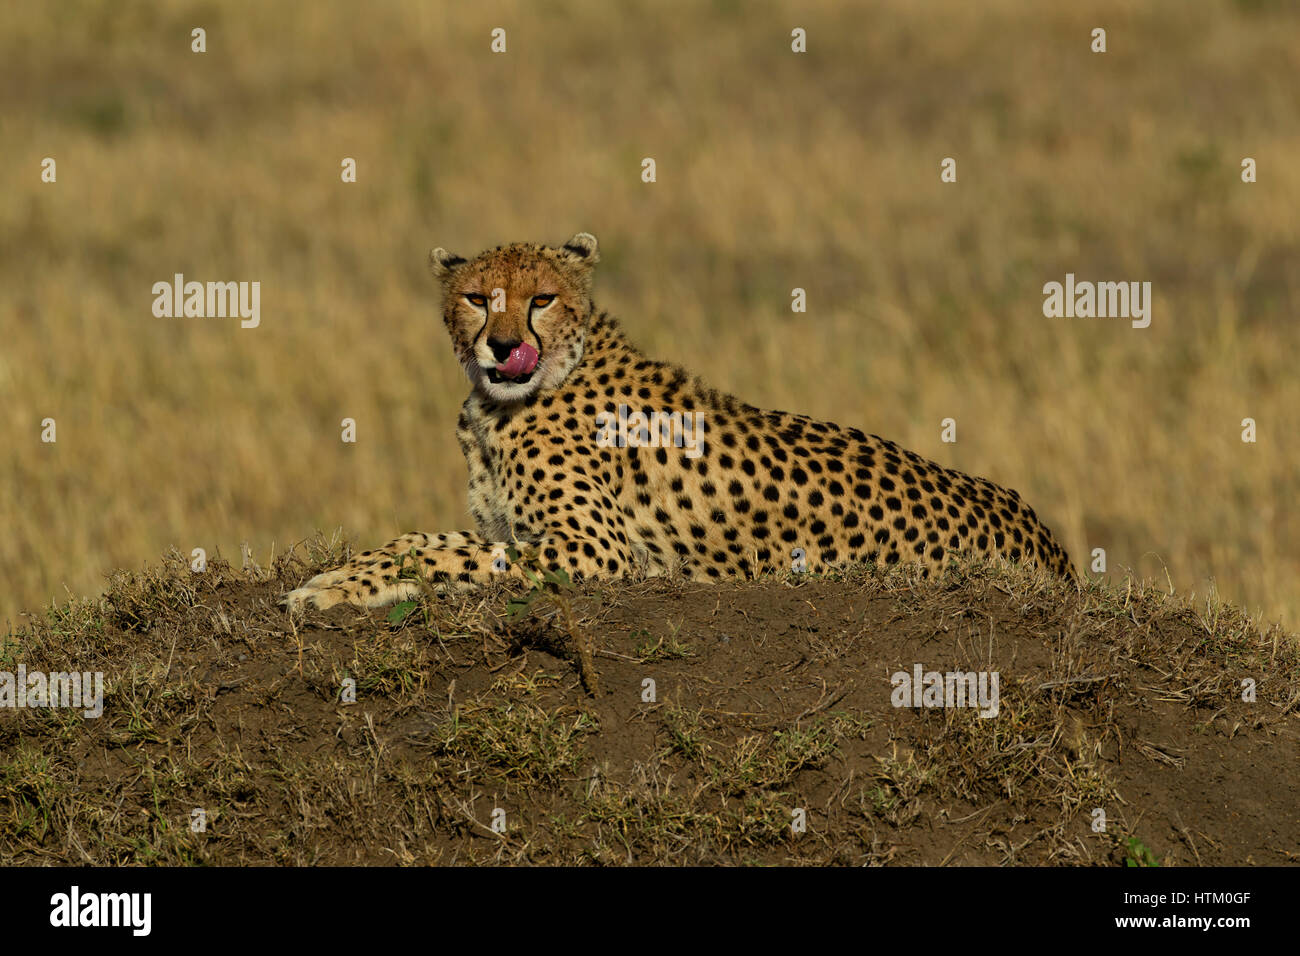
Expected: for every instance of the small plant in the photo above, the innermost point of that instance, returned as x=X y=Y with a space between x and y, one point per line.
x=684 y=736
x=407 y=570
x=553 y=587
x=665 y=649
x=1139 y=854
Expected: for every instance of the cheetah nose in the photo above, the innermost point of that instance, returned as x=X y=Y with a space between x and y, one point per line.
x=502 y=348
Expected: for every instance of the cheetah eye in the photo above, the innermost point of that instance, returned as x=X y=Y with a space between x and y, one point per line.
x=476 y=300
x=542 y=301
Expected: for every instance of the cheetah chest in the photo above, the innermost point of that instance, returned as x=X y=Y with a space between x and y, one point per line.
x=490 y=502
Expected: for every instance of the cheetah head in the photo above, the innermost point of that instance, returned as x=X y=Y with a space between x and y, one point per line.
x=518 y=314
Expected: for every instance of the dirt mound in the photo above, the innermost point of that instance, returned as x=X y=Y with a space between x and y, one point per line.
x=734 y=723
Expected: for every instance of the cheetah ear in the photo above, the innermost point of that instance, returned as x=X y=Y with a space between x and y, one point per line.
x=442 y=262
x=582 y=248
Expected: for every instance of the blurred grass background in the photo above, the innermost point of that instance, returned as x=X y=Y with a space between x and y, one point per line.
x=775 y=171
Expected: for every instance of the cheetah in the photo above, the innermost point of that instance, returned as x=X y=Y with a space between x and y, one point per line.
x=762 y=490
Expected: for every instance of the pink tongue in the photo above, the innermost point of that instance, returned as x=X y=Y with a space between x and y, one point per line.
x=523 y=359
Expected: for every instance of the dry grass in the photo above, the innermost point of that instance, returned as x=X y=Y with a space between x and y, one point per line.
x=775 y=171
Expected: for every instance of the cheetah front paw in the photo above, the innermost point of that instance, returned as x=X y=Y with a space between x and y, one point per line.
x=362 y=586
x=317 y=593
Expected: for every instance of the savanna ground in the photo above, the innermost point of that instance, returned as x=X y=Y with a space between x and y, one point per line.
x=770 y=697
x=775 y=171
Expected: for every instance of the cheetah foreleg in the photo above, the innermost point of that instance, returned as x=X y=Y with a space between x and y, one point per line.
x=385 y=576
